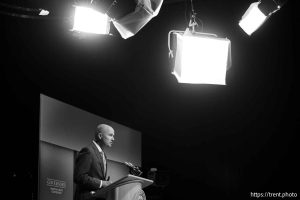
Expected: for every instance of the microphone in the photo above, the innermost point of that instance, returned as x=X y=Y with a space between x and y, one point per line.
x=129 y=164
x=134 y=170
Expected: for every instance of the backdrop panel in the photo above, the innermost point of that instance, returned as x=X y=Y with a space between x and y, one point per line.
x=73 y=128
x=55 y=172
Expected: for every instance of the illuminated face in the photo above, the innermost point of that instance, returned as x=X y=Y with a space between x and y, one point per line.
x=107 y=136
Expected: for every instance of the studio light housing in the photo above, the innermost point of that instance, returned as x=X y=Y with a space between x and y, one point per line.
x=89 y=20
x=201 y=58
x=257 y=14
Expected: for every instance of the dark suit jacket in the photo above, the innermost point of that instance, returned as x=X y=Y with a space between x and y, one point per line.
x=89 y=170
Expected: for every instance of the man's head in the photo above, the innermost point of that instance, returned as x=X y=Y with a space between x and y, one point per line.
x=104 y=135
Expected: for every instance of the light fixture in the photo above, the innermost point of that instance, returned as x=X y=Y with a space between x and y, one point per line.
x=201 y=58
x=87 y=19
x=23 y=12
x=257 y=14
x=131 y=23
x=43 y=12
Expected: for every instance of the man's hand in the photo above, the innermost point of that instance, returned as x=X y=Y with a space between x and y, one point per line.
x=105 y=183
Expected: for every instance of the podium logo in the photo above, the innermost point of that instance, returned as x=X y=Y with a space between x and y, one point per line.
x=56 y=186
x=139 y=195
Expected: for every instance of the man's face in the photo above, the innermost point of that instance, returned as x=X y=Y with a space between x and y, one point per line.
x=108 y=137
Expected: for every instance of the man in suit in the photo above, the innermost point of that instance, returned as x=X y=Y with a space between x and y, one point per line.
x=90 y=172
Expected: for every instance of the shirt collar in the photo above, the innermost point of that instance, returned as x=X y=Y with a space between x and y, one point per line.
x=98 y=147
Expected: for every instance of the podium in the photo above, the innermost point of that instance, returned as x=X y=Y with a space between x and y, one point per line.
x=126 y=188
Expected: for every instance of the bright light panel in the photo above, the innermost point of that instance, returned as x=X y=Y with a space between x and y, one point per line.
x=43 y=12
x=201 y=59
x=90 y=21
x=252 y=19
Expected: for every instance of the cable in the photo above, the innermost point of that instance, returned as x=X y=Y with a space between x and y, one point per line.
x=192 y=7
x=202 y=28
x=169 y=46
x=193 y=22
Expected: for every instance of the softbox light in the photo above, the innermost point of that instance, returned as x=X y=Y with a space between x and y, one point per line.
x=201 y=58
x=89 y=20
x=257 y=14
x=252 y=19
x=131 y=23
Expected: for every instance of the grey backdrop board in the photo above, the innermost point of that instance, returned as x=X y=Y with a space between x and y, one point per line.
x=55 y=172
x=70 y=127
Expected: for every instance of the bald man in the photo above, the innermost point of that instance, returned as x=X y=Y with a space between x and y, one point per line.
x=90 y=172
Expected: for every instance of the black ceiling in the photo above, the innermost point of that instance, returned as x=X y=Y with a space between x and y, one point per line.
x=228 y=139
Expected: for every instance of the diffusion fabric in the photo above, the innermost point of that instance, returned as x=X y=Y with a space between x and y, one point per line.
x=131 y=23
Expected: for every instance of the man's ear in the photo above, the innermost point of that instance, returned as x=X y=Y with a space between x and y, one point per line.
x=100 y=135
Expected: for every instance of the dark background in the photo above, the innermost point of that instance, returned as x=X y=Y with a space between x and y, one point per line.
x=207 y=141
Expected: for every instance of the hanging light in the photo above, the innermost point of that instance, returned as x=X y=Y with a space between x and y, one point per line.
x=22 y=12
x=201 y=58
x=257 y=14
x=43 y=12
x=87 y=19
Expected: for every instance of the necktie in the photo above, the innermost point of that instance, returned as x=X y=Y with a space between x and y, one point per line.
x=104 y=162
